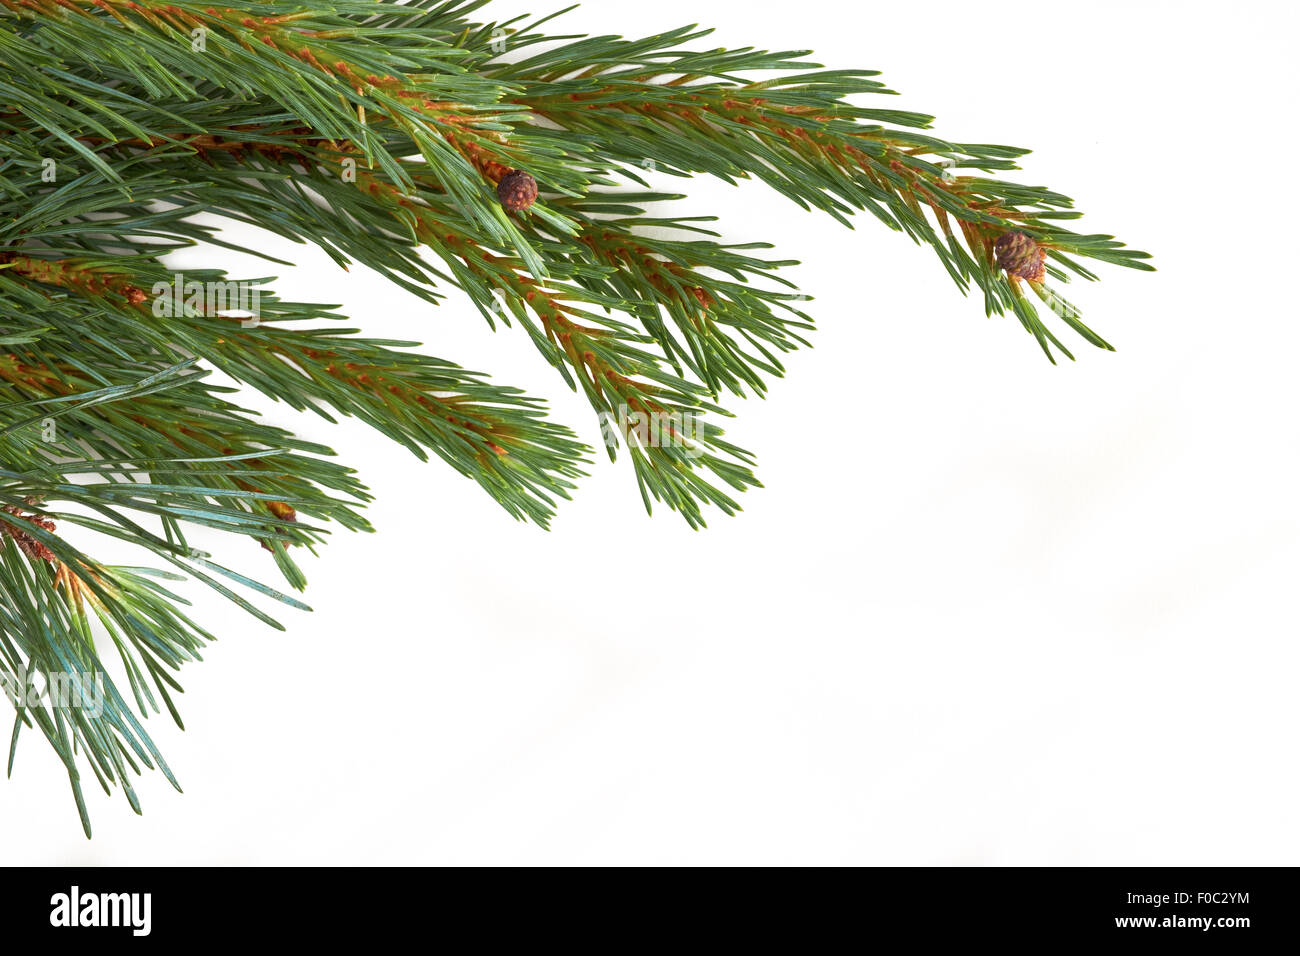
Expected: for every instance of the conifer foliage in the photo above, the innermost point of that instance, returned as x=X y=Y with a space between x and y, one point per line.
x=495 y=162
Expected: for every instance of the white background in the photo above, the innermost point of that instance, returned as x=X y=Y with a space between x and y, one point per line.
x=985 y=611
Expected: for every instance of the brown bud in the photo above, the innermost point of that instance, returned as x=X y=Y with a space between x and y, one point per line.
x=517 y=190
x=1020 y=255
x=282 y=511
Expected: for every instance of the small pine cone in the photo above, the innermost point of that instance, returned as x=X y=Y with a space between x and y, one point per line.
x=26 y=543
x=517 y=190
x=1020 y=256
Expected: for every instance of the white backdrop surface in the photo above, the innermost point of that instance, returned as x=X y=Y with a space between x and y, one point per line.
x=985 y=610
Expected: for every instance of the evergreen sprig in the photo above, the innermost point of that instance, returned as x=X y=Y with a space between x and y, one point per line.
x=380 y=132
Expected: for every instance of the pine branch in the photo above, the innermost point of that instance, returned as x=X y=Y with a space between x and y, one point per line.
x=445 y=152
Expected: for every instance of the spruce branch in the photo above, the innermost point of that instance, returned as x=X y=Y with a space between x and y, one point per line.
x=450 y=154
